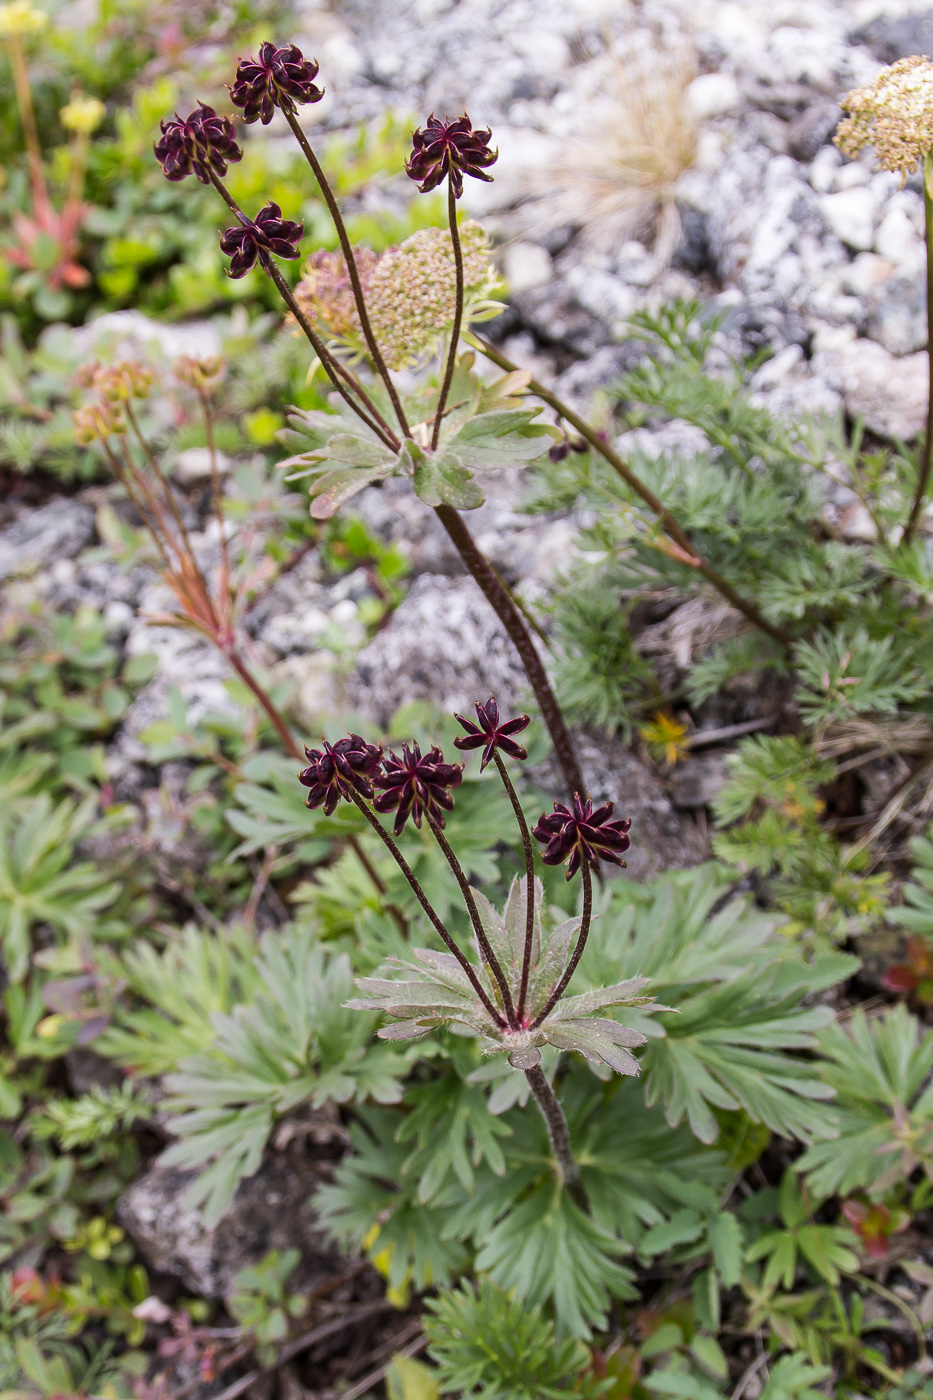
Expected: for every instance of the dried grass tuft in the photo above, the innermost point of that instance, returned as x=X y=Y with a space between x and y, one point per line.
x=616 y=181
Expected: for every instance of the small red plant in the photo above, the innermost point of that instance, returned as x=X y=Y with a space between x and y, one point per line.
x=875 y=1224
x=915 y=976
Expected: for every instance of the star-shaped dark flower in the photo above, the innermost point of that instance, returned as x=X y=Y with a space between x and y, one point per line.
x=415 y=785
x=582 y=833
x=490 y=735
x=449 y=148
x=333 y=771
x=267 y=233
x=277 y=78
x=196 y=145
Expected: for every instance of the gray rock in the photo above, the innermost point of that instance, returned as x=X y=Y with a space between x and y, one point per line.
x=661 y=838
x=889 y=393
x=443 y=644
x=696 y=781
x=897 y=316
x=809 y=133
x=890 y=37
x=120 y=334
x=852 y=216
x=39 y=538
x=271 y=1210
x=193 y=465
x=556 y=317
x=527 y=265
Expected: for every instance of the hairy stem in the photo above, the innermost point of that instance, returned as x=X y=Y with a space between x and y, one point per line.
x=926 y=461
x=486 y=951
x=558 y=1132
x=498 y=596
x=668 y=521
x=458 y=314
x=530 y=888
x=347 y=249
x=577 y=953
x=402 y=863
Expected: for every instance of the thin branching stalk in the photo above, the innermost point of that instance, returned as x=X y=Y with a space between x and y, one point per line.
x=332 y=367
x=668 y=521
x=513 y=622
x=160 y=476
x=577 y=953
x=558 y=1132
x=530 y=884
x=428 y=908
x=458 y=314
x=347 y=250
x=485 y=948
x=215 y=484
x=926 y=461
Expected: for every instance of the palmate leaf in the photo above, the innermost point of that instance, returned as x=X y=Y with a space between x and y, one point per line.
x=452 y=1129
x=485 y=427
x=38 y=882
x=294 y=1043
x=879 y=1070
x=741 y=1021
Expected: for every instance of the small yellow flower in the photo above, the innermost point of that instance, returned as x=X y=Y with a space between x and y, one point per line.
x=83 y=114
x=19 y=19
x=665 y=737
x=894 y=114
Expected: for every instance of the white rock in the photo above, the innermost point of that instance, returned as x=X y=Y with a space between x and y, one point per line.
x=123 y=334
x=527 y=265
x=852 y=216
x=823 y=169
x=888 y=392
x=899 y=236
x=850 y=176
x=712 y=95
x=118 y=618
x=194 y=464
x=773 y=371
x=865 y=273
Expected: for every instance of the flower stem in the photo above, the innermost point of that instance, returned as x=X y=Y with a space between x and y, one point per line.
x=485 y=948
x=429 y=909
x=334 y=370
x=215 y=483
x=501 y=602
x=668 y=521
x=558 y=1132
x=529 y=881
x=458 y=314
x=40 y=197
x=577 y=953
x=347 y=250
x=926 y=460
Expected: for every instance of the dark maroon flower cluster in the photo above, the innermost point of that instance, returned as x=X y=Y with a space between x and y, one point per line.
x=200 y=143
x=267 y=233
x=277 y=78
x=417 y=786
x=337 y=769
x=491 y=733
x=450 y=148
x=582 y=834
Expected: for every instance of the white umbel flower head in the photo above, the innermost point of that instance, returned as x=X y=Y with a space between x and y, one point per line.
x=894 y=114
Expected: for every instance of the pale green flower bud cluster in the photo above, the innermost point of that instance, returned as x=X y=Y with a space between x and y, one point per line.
x=410 y=291
x=413 y=290
x=894 y=114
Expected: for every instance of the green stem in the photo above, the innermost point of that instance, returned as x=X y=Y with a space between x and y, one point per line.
x=40 y=197
x=347 y=249
x=458 y=314
x=530 y=884
x=926 y=461
x=427 y=906
x=577 y=954
x=669 y=523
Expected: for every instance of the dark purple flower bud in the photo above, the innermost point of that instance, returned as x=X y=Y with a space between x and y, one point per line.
x=414 y=786
x=449 y=148
x=582 y=833
x=267 y=233
x=277 y=78
x=335 y=770
x=490 y=734
x=201 y=143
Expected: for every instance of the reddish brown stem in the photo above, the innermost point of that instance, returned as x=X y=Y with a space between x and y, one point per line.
x=530 y=884
x=502 y=604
